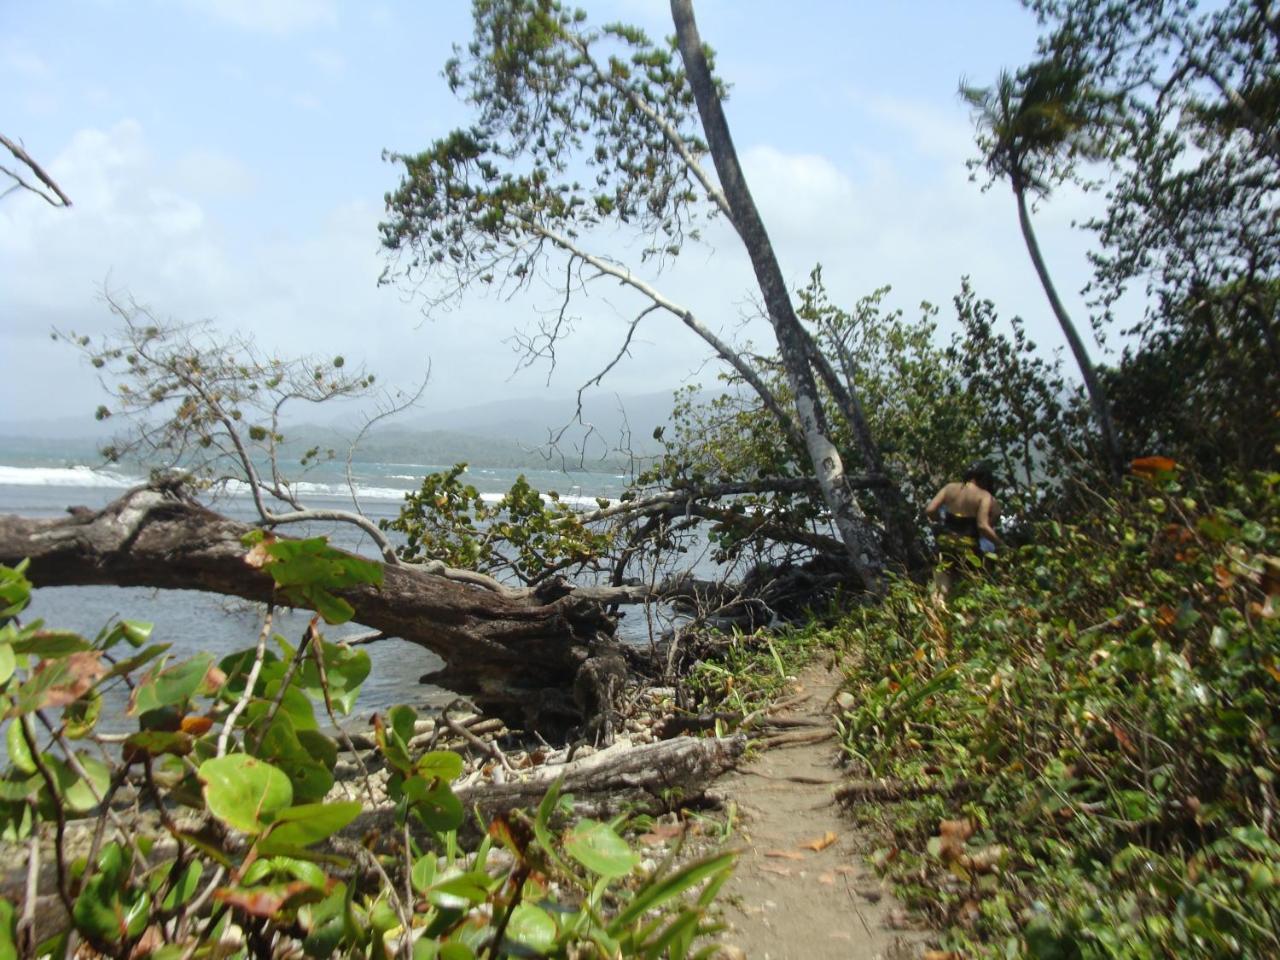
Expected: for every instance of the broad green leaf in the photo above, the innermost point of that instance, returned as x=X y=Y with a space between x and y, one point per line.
x=78 y=794
x=423 y=873
x=310 y=823
x=345 y=669
x=19 y=789
x=171 y=686
x=185 y=886
x=137 y=660
x=532 y=927
x=441 y=764
x=8 y=931
x=244 y=792
x=333 y=608
x=305 y=767
x=401 y=719
x=49 y=644
x=15 y=590
x=435 y=804
x=8 y=663
x=460 y=891
x=19 y=753
x=668 y=888
x=455 y=951
x=80 y=716
x=135 y=632
x=598 y=847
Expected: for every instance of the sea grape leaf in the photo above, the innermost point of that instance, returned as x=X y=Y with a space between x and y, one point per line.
x=442 y=764
x=435 y=803
x=310 y=823
x=598 y=847
x=532 y=927
x=244 y=792
x=172 y=685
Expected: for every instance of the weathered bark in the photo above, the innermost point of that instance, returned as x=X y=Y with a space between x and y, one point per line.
x=516 y=654
x=652 y=778
x=1093 y=386
x=855 y=533
x=902 y=538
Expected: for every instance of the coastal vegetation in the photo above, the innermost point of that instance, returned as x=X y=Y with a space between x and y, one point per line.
x=1070 y=753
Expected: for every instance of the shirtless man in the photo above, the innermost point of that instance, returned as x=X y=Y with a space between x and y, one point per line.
x=969 y=508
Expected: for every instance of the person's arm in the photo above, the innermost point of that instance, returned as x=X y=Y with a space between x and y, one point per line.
x=989 y=513
x=931 y=511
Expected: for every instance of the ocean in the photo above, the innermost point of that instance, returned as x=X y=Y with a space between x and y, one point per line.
x=43 y=486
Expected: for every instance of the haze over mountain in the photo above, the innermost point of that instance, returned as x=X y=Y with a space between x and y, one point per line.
x=498 y=433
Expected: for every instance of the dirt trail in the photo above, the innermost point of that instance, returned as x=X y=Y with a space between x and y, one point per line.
x=786 y=900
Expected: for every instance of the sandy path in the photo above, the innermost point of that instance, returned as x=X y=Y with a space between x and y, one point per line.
x=787 y=901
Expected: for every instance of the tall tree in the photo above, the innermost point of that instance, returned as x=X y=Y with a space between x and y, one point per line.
x=576 y=128
x=1192 y=213
x=1032 y=126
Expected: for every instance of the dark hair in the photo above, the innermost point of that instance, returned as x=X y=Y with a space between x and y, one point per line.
x=980 y=472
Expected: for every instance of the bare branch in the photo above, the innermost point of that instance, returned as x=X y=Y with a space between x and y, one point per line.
x=55 y=198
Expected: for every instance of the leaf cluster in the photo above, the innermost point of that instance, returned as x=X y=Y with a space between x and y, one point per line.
x=233 y=757
x=1102 y=709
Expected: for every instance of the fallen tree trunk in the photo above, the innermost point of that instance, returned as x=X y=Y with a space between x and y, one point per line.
x=651 y=778
x=516 y=654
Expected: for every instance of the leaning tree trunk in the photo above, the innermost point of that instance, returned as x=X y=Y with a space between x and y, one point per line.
x=515 y=654
x=858 y=538
x=1093 y=386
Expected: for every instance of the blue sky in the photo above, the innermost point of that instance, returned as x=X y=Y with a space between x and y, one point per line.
x=224 y=160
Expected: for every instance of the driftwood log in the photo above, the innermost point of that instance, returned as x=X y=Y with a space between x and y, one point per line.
x=651 y=778
x=517 y=654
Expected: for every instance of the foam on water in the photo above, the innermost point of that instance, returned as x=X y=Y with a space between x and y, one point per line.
x=83 y=476
x=65 y=477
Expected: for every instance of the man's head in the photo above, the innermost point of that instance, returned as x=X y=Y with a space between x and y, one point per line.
x=980 y=472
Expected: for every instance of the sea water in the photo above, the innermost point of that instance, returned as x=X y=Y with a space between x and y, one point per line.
x=193 y=621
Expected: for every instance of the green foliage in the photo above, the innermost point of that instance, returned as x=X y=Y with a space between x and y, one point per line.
x=553 y=100
x=523 y=533
x=1191 y=173
x=307 y=572
x=1094 y=727
x=933 y=407
x=239 y=743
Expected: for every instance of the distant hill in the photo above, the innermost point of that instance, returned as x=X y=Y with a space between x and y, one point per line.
x=498 y=433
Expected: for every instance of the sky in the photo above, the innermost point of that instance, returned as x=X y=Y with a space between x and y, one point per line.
x=224 y=160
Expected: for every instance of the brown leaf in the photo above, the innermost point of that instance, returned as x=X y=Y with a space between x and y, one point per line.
x=775 y=870
x=827 y=878
x=263 y=901
x=1148 y=467
x=784 y=854
x=952 y=835
x=195 y=725
x=661 y=833
x=82 y=669
x=820 y=844
x=214 y=680
x=985 y=860
x=258 y=555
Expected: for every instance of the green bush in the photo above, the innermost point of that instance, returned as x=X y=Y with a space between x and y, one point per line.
x=231 y=758
x=1086 y=735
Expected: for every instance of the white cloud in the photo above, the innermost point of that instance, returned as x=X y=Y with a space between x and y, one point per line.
x=152 y=230
x=270 y=16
